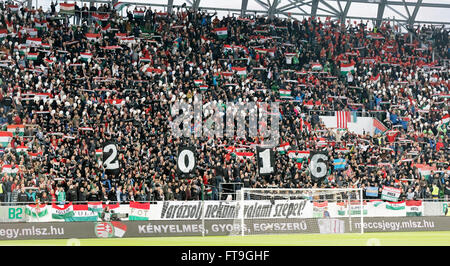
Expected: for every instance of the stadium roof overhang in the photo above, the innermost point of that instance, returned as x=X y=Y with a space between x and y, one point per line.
x=404 y=12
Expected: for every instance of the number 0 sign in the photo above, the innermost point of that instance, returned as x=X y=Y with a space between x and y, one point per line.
x=186 y=160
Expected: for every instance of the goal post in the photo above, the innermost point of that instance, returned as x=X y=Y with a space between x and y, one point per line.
x=291 y=210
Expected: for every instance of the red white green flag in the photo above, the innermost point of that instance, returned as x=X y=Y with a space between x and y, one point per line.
x=85 y=56
x=139 y=211
x=65 y=8
x=119 y=5
x=62 y=211
x=17 y=130
x=34 y=41
x=241 y=71
x=316 y=66
x=93 y=37
x=414 y=208
x=345 y=68
x=222 y=33
x=36 y=210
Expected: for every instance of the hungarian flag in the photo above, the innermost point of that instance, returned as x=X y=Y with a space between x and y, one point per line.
x=95 y=207
x=319 y=208
x=40 y=25
x=85 y=56
x=101 y=17
x=34 y=41
x=17 y=130
x=8 y=169
x=32 y=56
x=228 y=48
x=13 y=8
x=116 y=102
x=119 y=5
x=22 y=49
x=62 y=211
x=138 y=211
x=285 y=94
x=198 y=82
x=283 y=148
x=3 y=33
x=36 y=210
x=345 y=68
x=375 y=79
x=130 y=39
x=98 y=153
x=289 y=56
x=299 y=156
x=414 y=208
x=316 y=66
x=93 y=37
x=343 y=150
x=228 y=75
x=261 y=31
x=241 y=71
x=21 y=149
x=445 y=119
x=244 y=155
x=342 y=117
x=138 y=13
x=425 y=170
x=121 y=35
x=34 y=155
x=145 y=59
x=46 y=46
x=112 y=47
x=222 y=33
x=42 y=96
x=261 y=50
x=65 y=8
x=112 y=206
x=30 y=31
x=154 y=70
x=10 y=26
x=203 y=87
x=5 y=138
x=395 y=206
x=82 y=213
x=309 y=104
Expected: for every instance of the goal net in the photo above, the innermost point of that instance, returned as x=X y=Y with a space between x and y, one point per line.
x=278 y=210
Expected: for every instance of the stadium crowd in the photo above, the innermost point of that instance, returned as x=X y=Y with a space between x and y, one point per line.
x=76 y=82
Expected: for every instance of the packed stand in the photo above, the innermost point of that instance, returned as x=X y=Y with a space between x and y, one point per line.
x=75 y=80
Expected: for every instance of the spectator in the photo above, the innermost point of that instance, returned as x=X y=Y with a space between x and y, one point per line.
x=61 y=195
x=133 y=84
x=22 y=197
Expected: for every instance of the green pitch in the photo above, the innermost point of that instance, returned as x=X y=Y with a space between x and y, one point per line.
x=441 y=238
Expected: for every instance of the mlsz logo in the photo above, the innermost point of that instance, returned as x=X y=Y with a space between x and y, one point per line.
x=230 y=119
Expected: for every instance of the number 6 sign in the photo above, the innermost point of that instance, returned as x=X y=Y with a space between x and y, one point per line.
x=318 y=164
